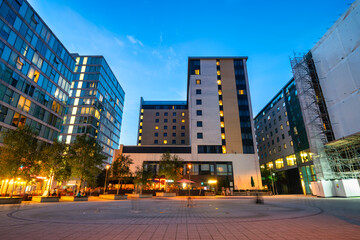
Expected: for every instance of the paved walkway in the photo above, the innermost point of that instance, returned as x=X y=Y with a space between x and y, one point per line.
x=226 y=218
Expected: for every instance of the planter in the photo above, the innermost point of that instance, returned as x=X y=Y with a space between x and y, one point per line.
x=165 y=194
x=7 y=200
x=113 y=197
x=73 y=199
x=136 y=195
x=45 y=199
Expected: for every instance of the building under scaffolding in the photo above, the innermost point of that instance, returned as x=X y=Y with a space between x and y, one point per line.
x=328 y=83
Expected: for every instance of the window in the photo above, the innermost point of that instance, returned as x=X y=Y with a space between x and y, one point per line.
x=37 y=60
x=291 y=160
x=198 y=102
x=287 y=123
x=183 y=114
x=20 y=63
x=165 y=134
x=198 y=91
x=295 y=131
x=194 y=67
x=156 y=127
x=182 y=127
x=157 y=114
x=174 y=121
x=174 y=114
x=165 y=120
x=182 y=141
x=218 y=72
x=156 y=141
x=279 y=163
x=282 y=136
x=241 y=92
x=291 y=143
x=165 y=141
x=173 y=141
x=199 y=135
x=174 y=134
x=285 y=147
x=198 y=112
x=199 y=123
x=198 y=81
x=281 y=127
x=165 y=127
x=156 y=134
x=183 y=134
x=157 y=120
x=33 y=74
x=165 y=113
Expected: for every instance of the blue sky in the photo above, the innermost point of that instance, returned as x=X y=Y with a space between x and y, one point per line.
x=147 y=43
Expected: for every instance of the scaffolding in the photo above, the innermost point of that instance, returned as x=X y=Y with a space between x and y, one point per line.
x=314 y=111
x=338 y=159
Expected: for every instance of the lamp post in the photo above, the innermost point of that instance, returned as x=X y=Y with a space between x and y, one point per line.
x=272 y=181
x=189 y=166
x=107 y=168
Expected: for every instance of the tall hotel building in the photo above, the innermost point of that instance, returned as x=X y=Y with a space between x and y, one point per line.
x=35 y=72
x=96 y=104
x=216 y=129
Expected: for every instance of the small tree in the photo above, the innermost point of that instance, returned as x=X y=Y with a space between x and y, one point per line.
x=86 y=159
x=55 y=163
x=121 y=169
x=19 y=155
x=171 y=167
x=142 y=177
x=268 y=177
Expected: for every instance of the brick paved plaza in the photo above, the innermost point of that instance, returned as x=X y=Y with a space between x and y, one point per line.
x=288 y=217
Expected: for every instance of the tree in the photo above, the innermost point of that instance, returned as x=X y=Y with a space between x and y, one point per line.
x=268 y=177
x=55 y=163
x=142 y=177
x=121 y=169
x=86 y=158
x=171 y=167
x=19 y=155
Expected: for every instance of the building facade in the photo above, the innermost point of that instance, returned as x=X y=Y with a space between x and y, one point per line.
x=96 y=104
x=282 y=143
x=35 y=72
x=328 y=82
x=221 y=142
x=163 y=123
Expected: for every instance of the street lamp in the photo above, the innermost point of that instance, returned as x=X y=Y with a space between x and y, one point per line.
x=107 y=168
x=189 y=166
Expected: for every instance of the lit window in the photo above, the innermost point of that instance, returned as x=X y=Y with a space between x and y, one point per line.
x=287 y=123
x=220 y=102
x=221 y=113
x=33 y=74
x=223 y=136
x=223 y=149
x=219 y=82
x=279 y=163
x=139 y=144
x=270 y=165
x=140 y=131
x=156 y=127
x=183 y=120
x=285 y=147
x=197 y=71
x=218 y=73
x=182 y=114
x=217 y=63
x=139 y=137
x=141 y=117
x=142 y=110
x=220 y=92
x=140 y=123
x=241 y=92
x=291 y=160
x=19 y=63
x=291 y=143
x=222 y=124
x=281 y=127
x=295 y=131
x=165 y=141
x=198 y=81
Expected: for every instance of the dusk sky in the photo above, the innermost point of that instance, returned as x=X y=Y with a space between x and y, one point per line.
x=147 y=43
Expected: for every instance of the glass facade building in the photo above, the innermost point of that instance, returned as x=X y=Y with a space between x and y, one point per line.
x=96 y=104
x=35 y=72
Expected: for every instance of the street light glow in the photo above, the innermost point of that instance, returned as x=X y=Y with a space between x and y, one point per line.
x=107 y=167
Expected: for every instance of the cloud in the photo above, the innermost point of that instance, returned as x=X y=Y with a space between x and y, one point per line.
x=119 y=42
x=133 y=40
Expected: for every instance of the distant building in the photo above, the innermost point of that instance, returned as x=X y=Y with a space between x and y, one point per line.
x=95 y=105
x=328 y=82
x=35 y=72
x=219 y=142
x=282 y=143
x=163 y=123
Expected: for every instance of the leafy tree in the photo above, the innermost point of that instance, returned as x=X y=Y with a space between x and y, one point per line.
x=121 y=169
x=19 y=155
x=142 y=177
x=171 y=167
x=55 y=163
x=268 y=177
x=86 y=159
